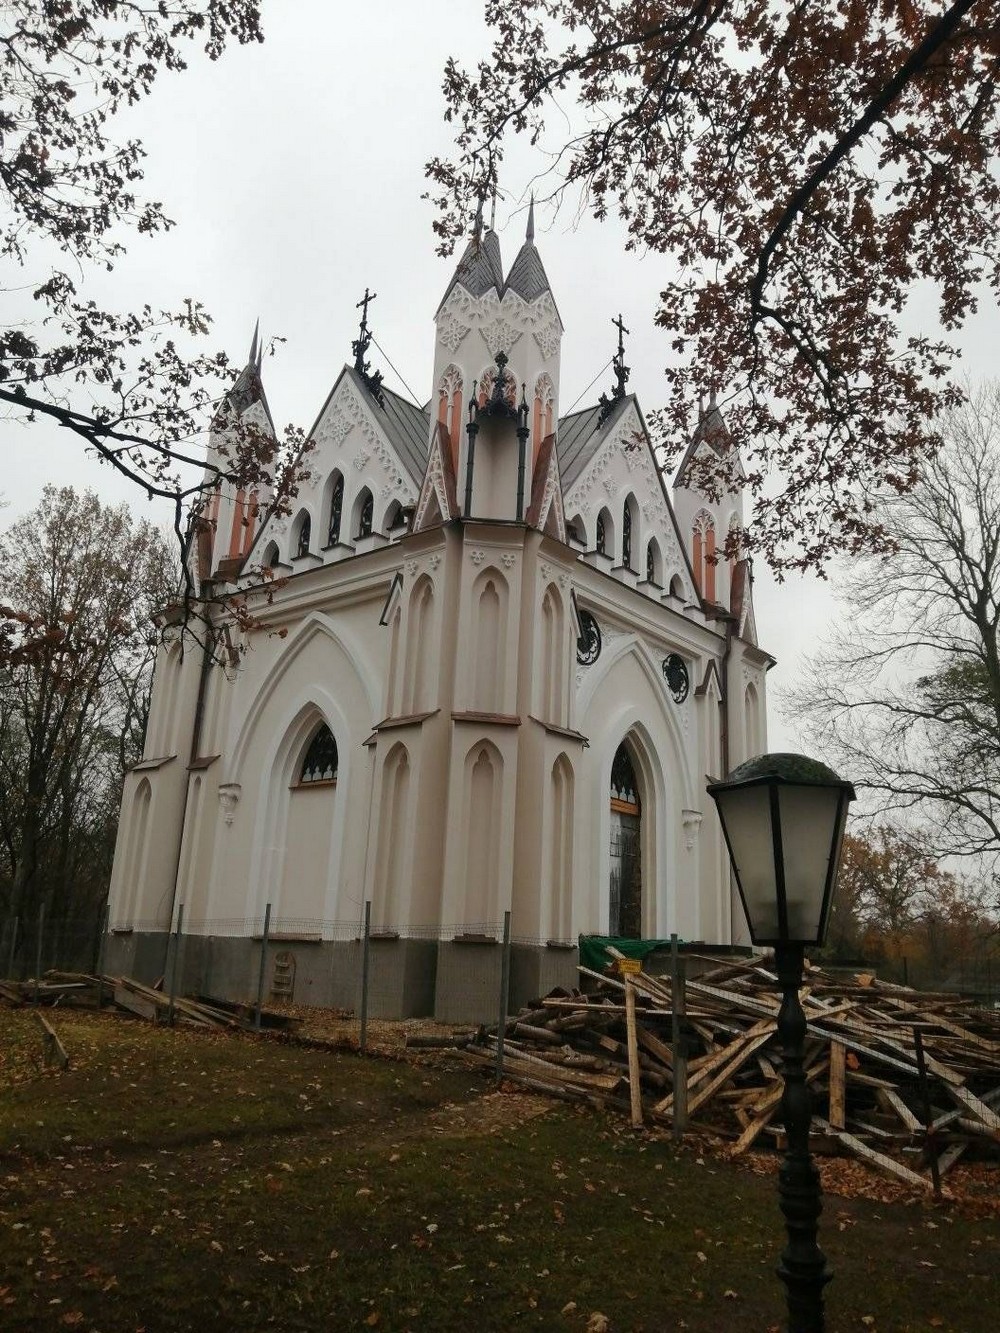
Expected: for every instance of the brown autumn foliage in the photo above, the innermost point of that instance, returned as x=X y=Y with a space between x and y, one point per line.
x=129 y=383
x=803 y=170
x=895 y=901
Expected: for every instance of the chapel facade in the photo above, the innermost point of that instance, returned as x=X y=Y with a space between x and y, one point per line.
x=492 y=662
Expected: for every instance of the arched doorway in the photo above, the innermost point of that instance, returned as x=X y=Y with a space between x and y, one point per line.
x=625 y=907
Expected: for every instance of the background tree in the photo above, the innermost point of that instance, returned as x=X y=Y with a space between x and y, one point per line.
x=896 y=907
x=803 y=168
x=127 y=383
x=905 y=696
x=79 y=583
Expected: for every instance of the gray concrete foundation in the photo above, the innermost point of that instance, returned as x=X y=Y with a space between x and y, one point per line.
x=467 y=988
x=537 y=969
x=402 y=975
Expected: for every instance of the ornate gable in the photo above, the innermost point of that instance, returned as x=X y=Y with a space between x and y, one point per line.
x=438 y=499
x=546 y=508
x=624 y=463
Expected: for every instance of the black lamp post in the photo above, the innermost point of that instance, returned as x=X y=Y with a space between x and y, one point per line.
x=783 y=817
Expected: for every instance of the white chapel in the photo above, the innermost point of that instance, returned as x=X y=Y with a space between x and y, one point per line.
x=492 y=660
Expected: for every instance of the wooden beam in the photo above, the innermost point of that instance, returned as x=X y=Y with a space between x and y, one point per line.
x=838 y=1084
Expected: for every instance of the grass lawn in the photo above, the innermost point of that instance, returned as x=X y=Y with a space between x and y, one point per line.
x=171 y=1180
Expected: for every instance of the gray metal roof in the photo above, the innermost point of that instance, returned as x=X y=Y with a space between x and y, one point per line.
x=711 y=429
x=479 y=269
x=407 y=426
x=580 y=436
x=527 y=275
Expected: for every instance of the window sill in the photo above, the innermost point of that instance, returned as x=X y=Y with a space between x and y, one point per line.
x=308 y=786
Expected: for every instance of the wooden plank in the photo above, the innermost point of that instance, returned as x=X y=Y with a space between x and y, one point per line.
x=739 y=1053
x=969 y=1102
x=877 y=1159
x=890 y=1098
x=720 y=1057
x=767 y=1108
x=950 y=1156
x=126 y=998
x=838 y=1084
x=635 y=1092
x=654 y=1045
x=55 y=1051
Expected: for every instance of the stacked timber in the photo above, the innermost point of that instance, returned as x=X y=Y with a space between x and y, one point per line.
x=127 y=995
x=906 y=1080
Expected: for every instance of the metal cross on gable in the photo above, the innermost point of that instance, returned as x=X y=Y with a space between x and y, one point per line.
x=621 y=370
x=360 y=348
x=622 y=373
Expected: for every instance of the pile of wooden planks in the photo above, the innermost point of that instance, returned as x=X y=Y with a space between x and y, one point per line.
x=902 y=1079
x=133 y=997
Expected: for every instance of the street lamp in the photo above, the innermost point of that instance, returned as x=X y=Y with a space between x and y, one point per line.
x=783 y=817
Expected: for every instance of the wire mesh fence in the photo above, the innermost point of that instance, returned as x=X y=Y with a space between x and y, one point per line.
x=363 y=969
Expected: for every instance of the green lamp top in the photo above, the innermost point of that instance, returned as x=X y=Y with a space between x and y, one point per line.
x=797 y=768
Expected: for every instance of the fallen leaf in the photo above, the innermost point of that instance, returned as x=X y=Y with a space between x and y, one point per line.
x=597 y=1323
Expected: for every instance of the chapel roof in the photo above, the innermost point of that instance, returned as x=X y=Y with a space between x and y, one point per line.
x=710 y=430
x=581 y=435
x=527 y=276
x=249 y=386
x=406 y=426
x=480 y=269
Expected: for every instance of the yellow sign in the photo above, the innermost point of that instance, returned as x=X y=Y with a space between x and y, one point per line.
x=630 y=967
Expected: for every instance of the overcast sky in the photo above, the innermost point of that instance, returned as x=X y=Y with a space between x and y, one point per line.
x=294 y=172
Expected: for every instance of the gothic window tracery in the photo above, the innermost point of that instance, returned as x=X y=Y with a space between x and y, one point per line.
x=320 y=761
x=304 y=535
x=703 y=554
x=602 y=536
x=624 y=786
x=654 y=562
x=544 y=403
x=365 y=511
x=336 y=512
x=450 y=405
x=627 y=535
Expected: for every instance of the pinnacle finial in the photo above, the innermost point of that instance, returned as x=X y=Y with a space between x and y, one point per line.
x=712 y=403
x=254 y=358
x=529 y=231
x=477 y=226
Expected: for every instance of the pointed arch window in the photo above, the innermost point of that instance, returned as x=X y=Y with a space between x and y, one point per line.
x=624 y=787
x=704 y=554
x=627 y=535
x=336 y=512
x=270 y=558
x=650 y=564
x=304 y=536
x=602 y=536
x=366 y=511
x=320 y=761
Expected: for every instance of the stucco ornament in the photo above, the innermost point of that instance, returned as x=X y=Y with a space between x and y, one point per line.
x=229 y=799
x=691 y=820
x=508 y=559
x=477 y=556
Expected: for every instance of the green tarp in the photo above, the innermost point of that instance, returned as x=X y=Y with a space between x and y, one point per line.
x=594 y=949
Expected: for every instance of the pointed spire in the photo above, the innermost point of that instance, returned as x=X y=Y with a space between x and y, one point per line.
x=253 y=359
x=477 y=226
x=527 y=275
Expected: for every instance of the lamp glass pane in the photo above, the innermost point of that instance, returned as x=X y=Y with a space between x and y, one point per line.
x=746 y=813
x=809 y=822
